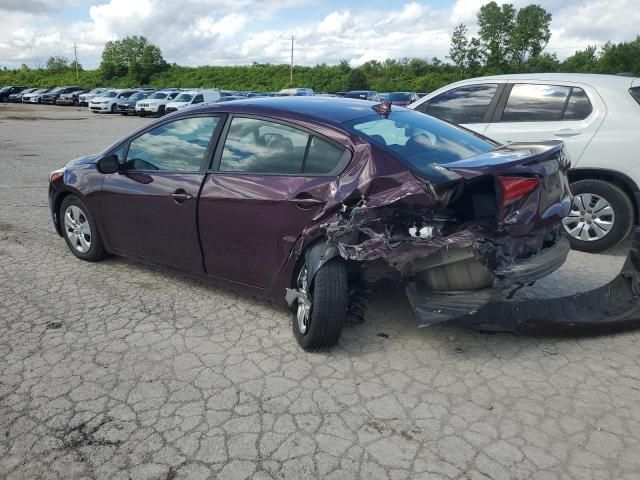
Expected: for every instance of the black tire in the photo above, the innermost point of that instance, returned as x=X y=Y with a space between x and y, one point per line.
x=114 y=108
x=96 y=250
x=330 y=300
x=161 y=110
x=623 y=210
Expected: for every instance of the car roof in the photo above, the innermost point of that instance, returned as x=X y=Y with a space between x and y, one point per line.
x=330 y=110
x=595 y=79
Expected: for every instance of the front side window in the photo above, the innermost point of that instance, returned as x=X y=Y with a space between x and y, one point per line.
x=462 y=105
x=419 y=140
x=177 y=146
x=259 y=146
x=535 y=103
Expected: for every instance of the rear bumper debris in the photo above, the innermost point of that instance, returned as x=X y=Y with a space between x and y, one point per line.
x=438 y=306
x=614 y=306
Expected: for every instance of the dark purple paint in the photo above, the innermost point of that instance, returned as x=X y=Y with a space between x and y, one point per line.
x=248 y=231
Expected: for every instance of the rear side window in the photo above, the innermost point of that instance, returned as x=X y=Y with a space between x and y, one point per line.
x=578 y=107
x=535 y=103
x=264 y=147
x=468 y=104
x=323 y=157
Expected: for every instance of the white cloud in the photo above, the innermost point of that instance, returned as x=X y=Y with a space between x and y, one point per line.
x=200 y=32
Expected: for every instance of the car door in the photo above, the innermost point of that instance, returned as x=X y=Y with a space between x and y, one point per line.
x=530 y=112
x=149 y=206
x=270 y=179
x=470 y=106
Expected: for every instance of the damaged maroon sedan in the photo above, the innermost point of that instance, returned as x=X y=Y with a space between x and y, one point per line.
x=296 y=198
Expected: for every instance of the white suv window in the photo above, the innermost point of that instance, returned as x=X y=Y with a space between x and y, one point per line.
x=461 y=105
x=535 y=103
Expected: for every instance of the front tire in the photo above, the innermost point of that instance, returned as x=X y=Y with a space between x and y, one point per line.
x=601 y=216
x=114 y=108
x=321 y=316
x=80 y=230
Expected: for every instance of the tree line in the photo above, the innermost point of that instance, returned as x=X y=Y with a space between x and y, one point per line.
x=509 y=40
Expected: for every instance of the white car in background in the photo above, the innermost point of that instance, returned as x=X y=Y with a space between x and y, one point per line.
x=156 y=103
x=596 y=116
x=107 y=101
x=85 y=98
x=193 y=98
x=35 y=97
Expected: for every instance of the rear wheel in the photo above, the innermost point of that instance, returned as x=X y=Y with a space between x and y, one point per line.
x=80 y=230
x=601 y=216
x=322 y=306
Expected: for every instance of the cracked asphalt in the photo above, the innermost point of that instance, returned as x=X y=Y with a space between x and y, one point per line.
x=117 y=370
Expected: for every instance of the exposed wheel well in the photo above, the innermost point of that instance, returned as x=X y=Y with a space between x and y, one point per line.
x=619 y=179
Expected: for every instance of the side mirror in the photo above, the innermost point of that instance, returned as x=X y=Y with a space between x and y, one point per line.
x=108 y=164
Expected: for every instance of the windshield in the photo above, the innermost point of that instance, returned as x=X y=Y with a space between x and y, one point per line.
x=183 y=97
x=57 y=90
x=96 y=91
x=399 y=97
x=108 y=94
x=137 y=96
x=158 y=96
x=420 y=140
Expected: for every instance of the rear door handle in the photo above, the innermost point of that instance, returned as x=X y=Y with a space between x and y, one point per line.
x=306 y=201
x=180 y=196
x=567 y=133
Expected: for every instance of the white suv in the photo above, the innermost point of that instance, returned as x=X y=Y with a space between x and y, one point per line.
x=192 y=98
x=597 y=117
x=155 y=103
x=107 y=101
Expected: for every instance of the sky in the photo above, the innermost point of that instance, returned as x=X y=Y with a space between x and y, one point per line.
x=239 y=32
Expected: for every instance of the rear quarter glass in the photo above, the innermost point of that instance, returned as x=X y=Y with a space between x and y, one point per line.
x=635 y=93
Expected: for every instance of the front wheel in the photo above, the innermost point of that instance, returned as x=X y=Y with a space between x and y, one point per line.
x=114 y=108
x=321 y=311
x=601 y=216
x=80 y=230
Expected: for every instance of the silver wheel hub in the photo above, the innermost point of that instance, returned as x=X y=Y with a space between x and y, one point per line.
x=591 y=217
x=303 y=311
x=77 y=229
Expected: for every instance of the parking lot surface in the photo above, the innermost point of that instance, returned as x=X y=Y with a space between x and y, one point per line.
x=119 y=370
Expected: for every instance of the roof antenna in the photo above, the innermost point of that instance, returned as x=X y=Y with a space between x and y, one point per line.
x=383 y=109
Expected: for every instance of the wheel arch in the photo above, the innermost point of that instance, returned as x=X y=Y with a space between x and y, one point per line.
x=619 y=179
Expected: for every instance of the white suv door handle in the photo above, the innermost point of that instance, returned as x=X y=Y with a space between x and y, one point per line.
x=567 y=132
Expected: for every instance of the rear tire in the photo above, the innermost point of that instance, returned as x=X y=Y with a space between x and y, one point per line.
x=623 y=214
x=329 y=302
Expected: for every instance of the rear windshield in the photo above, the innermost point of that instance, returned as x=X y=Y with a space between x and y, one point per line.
x=420 y=140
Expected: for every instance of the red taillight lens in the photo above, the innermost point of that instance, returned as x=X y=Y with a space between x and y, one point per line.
x=514 y=188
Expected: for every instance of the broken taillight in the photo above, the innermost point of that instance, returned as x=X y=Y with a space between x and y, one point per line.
x=514 y=188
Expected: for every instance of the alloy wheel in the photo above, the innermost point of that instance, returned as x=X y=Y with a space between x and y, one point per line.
x=303 y=312
x=77 y=228
x=591 y=217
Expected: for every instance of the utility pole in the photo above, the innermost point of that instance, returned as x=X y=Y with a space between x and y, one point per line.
x=75 y=52
x=291 y=70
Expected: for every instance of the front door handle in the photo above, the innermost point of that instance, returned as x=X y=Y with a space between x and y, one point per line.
x=180 y=196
